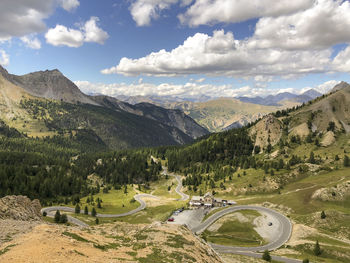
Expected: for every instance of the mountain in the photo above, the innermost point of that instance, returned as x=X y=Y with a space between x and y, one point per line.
x=281 y=98
x=324 y=117
x=216 y=115
x=312 y=93
x=161 y=100
x=340 y=86
x=50 y=85
x=46 y=104
x=170 y=117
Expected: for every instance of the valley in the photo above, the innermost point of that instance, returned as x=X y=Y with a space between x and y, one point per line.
x=286 y=175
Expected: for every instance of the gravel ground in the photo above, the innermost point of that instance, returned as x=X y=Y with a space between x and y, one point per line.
x=269 y=233
x=191 y=218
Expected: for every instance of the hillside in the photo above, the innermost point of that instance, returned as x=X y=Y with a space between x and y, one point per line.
x=294 y=161
x=218 y=114
x=173 y=118
x=25 y=237
x=63 y=109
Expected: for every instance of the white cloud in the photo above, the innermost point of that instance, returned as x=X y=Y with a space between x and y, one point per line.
x=4 y=58
x=93 y=33
x=22 y=17
x=69 y=5
x=63 y=36
x=89 y=32
x=31 y=42
x=143 y=11
x=342 y=61
x=185 y=91
x=204 y=12
x=325 y=24
x=190 y=90
x=221 y=54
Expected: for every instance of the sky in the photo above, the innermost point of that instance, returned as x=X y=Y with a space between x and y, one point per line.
x=181 y=48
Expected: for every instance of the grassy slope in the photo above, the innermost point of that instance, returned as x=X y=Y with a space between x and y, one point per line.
x=232 y=232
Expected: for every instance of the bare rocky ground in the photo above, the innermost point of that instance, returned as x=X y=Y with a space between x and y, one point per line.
x=26 y=238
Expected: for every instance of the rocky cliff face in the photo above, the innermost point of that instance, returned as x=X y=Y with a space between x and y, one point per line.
x=19 y=208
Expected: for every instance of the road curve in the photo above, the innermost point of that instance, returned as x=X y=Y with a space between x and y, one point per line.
x=52 y=210
x=178 y=188
x=285 y=229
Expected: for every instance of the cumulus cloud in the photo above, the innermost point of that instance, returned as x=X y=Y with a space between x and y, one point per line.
x=185 y=91
x=323 y=25
x=4 y=58
x=342 y=61
x=31 y=42
x=93 y=33
x=204 y=12
x=63 y=36
x=22 y=17
x=143 y=11
x=89 y=32
x=322 y=88
x=190 y=90
x=221 y=54
x=69 y=5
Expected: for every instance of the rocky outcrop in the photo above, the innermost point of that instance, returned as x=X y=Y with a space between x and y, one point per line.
x=20 y=208
x=337 y=193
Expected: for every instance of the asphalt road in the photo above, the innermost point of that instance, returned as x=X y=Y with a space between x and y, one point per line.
x=52 y=210
x=285 y=229
x=184 y=196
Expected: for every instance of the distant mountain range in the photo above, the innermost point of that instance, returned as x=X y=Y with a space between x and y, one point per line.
x=47 y=103
x=226 y=113
x=278 y=99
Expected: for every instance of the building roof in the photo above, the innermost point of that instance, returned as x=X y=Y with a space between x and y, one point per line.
x=196 y=198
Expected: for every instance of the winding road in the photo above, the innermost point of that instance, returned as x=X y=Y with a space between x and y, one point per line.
x=285 y=226
x=184 y=196
x=52 y=210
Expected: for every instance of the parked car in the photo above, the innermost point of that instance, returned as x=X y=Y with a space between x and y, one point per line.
x=269 y=224
x=171 y=219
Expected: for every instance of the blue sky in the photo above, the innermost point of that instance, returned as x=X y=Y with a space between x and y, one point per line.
x=210 y=47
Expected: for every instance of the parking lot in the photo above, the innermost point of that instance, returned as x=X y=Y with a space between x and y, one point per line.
x=191 y=218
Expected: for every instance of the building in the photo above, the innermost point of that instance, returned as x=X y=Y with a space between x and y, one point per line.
x=208 y=201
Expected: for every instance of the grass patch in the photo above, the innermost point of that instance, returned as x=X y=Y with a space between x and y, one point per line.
x=232 y=232
x=114 y=202
x=75 y=236
x=178 y=241
x=151 y=214
x=6 y=249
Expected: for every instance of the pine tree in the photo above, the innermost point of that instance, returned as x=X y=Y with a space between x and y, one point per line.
x=93 y=212
x=86 y=211
x=312 y=158
x=323 y=215
x=346 y=161
x=77 y=209
x=306 y=260
x=97 y=221
x=266 y=256
x=63 y=219
x=57 y=216
x=99 y=203
x=317 y=249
